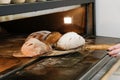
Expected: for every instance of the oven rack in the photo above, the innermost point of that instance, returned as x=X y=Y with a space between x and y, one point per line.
x=37 y=6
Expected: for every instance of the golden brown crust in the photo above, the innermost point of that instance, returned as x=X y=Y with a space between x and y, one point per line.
x=53 y=37
x=33 y=47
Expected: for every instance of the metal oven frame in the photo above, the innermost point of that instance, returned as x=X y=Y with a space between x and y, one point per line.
x=31 y=7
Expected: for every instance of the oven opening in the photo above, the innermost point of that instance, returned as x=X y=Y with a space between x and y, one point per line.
x=77 y=20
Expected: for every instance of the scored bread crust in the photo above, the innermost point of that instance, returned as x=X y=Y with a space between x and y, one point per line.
x=40 y=35
x=33 y=47
x=70 y=40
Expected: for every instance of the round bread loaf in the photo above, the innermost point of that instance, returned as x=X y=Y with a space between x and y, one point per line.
x=53 y=37
x=40 y=35
x=33 y=47
x=70 y=40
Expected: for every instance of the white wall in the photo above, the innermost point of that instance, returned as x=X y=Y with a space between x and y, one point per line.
x=108 y=18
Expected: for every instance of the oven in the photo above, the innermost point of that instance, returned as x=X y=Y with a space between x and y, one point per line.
x=17 y=21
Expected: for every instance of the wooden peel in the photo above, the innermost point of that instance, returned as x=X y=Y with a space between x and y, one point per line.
x=82 y=49
x=97 y=46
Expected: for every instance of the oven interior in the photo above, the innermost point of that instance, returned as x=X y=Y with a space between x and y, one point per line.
x=81 y=19
x=66 y=67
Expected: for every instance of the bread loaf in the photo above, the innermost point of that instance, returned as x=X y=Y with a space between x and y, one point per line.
x=40 y=35
x=33 y=47
x=70 y=40
x=53 y=37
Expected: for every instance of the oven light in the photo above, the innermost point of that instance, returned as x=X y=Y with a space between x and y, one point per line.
x=67 y=20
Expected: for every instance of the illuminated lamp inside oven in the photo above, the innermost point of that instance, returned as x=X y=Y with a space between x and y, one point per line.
x=67 y=20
